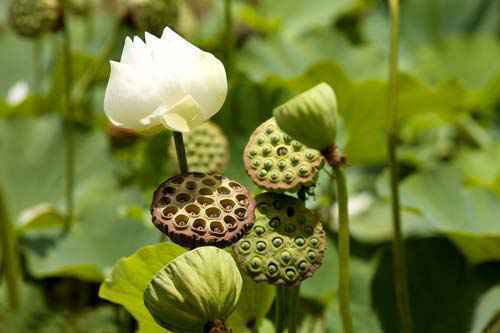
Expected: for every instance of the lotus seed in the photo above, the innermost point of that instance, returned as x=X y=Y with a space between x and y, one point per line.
x=261 y=246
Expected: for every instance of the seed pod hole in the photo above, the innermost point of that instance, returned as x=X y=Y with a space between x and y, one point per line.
x=272 y=269
x=235 y=186
x=169 y=212
x=242 y=199
x=192 y=210
x=240 y=213
x=274 y=222
x=191 y=185
x=164 y=201
x=282 y=151
x=217 y=227
x=177 y=180
x=277 y=242
x=168 y=190
x=255 y=264
x=181 y=221
x=198 y=174
x=223 y=190
x=199 y=226
x=205 y=201
x=183 y=197
x=212 y=212
x=261 y=246
x=205 y=191
x=209 y=182
x=230 y=222
x=227 y=204
x=259 y=230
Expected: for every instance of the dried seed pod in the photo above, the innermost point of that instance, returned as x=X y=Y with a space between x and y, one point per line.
x=286 y=244
x=207 y=149
x=276 y=162
x=31 y=18
x=197 y=209
x=196 y=292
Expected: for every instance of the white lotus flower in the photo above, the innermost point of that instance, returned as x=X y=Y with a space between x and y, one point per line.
x=164 y=82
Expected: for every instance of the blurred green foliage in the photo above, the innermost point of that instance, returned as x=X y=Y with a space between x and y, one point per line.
x=449 y=149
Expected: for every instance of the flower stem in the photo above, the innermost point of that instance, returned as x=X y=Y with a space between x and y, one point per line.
x=8 y=239
x=399 y=257
x=343 y=234
x=286 y=313
x=69 y=139
x=181 y=152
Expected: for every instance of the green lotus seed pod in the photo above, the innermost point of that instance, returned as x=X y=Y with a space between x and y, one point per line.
x=81 y=7
x=32 y=18
x=152 y=15
x=195 y=291
x=275 y=162
x=207 y=149
x=286 y=244
x=197 y=209
x=310 y=117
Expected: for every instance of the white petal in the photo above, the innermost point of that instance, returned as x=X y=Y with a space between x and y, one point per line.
x=206 y=81
x=126 y=51
x=129 y=96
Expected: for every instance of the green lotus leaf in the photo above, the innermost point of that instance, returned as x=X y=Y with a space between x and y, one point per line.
x=310 y=117
x=194 y=289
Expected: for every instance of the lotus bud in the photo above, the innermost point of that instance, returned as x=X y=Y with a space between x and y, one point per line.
x=310 y=117
x=286 y=244
x=196 y=292
x=207 y=149
x=32 y=18
x=197 y=209
x=276 y=162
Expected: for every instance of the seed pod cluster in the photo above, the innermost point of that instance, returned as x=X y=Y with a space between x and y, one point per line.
x=207 y=149
x=32 y=18
x=286 y=244
x=197 y=209
x=276 y=162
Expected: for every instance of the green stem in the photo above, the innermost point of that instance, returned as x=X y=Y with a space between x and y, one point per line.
x=399 y=257
x=181 y=152
x=8 y=239
x=69 y=139
x=280 y=310
x=286 y=313
x=343 y=234
x=292 y=295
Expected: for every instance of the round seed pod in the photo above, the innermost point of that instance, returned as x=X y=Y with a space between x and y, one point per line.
x=151 y=15
x=31 y=18
x=286 y=244
x=207 y=149
x=197 y=209
x=276 y=162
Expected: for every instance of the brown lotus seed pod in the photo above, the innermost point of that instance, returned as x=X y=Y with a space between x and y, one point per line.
x=207 y=149
x=276 y=162
x=286 y=244
x=197 y=209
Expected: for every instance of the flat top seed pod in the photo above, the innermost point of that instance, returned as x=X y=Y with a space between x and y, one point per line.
x=195 y=291
x=207 y=149
x=276 y=162
x=197 y=209
x=286 y=244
